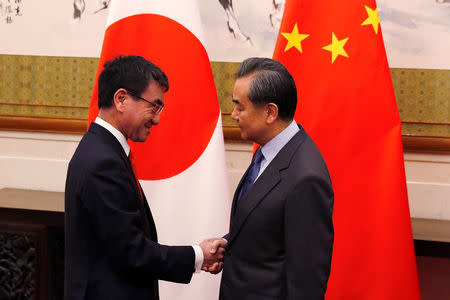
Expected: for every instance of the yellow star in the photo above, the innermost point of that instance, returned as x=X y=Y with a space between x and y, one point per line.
x=372 y=19
x=336 y=47
x=294 y=39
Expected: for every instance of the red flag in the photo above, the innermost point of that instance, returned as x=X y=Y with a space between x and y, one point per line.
x=335 y=51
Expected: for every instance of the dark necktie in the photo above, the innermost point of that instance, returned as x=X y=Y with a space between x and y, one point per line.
x=252 y=172
x=133 y=165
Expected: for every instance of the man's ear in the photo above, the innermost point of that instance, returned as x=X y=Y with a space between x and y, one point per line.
x=119 y=99
x=272 y=112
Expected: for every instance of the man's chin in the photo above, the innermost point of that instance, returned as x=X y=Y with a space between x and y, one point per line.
x=140 y=139
x=243 y=135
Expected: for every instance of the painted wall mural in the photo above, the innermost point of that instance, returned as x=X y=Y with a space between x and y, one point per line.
x=79 y=6
x=416 y=33
x=10 y=10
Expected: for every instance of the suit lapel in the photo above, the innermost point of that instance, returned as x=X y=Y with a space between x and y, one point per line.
x=263 y=185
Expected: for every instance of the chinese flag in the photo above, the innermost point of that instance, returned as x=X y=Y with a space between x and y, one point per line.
x=181 y=166
x=335 y=51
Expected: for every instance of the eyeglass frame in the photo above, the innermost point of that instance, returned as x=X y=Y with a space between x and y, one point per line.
x=157 y=108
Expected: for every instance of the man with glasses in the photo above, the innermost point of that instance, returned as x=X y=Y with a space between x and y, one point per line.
x=111 y=249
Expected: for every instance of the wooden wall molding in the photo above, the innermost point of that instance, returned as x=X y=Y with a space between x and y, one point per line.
x=78 y=126
x=44 y=105
x=39 y=124
x=426 y=143
x=425 y=123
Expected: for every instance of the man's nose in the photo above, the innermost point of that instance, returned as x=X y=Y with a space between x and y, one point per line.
x=156 y=119
x=234 y=114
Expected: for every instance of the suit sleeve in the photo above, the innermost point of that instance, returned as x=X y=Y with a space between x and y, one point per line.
x=111 y=203
x=309 y=238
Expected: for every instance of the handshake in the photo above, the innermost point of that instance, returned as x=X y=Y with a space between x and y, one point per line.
x=213 y=250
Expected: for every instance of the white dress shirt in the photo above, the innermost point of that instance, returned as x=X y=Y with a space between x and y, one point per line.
x=126 y=148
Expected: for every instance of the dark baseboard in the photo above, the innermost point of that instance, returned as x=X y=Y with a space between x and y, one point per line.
x=432 y=248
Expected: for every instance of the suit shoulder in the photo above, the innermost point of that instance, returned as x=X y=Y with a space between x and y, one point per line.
x=308 y=149
x=92 y=152
x=308 y=161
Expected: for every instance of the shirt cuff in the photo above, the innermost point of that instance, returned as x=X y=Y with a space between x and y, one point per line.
x=198 y=258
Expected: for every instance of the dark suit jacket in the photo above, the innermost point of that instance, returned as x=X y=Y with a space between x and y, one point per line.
x=111 y=249
x=281 y=231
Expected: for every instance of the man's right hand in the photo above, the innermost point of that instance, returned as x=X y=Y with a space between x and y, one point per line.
x=213 y=250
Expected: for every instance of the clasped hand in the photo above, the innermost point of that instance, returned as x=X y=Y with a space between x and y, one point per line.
x=213 y=250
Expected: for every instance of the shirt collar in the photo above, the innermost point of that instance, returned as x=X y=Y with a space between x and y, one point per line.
x=271 y=148
x=116 y=133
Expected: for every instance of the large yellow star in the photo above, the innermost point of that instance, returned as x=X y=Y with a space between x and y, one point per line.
x=372 y=19
x=336 y=47
x=294 y=39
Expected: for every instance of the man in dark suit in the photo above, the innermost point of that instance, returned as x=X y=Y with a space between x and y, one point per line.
x=111 y=249
x=281 y=231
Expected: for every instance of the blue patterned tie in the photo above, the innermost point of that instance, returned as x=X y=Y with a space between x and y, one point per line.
x=252 y=172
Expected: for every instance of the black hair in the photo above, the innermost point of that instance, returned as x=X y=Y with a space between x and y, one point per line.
x=133 y=73
x=272 y=83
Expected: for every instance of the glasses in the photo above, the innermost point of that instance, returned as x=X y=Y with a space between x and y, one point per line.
x=157 y=108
